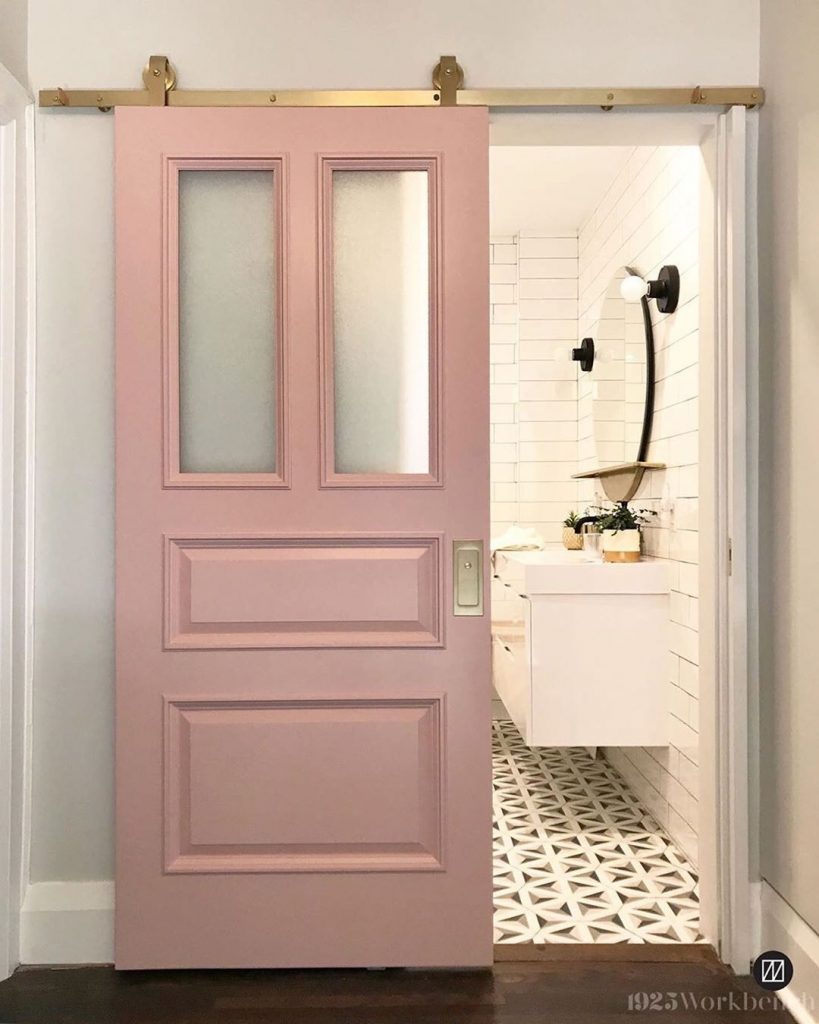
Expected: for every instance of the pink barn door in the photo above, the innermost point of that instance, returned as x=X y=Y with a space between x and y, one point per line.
x=303 y=691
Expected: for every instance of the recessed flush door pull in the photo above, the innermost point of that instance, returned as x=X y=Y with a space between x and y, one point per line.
x=467 y=563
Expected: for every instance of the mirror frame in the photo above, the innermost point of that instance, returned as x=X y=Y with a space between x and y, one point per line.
x=648 y=407
x=620 y=483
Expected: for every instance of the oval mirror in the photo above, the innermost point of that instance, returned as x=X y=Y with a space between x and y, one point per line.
x=618 y=391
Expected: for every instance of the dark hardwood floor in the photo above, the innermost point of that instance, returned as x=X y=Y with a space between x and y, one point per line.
x=557 y=991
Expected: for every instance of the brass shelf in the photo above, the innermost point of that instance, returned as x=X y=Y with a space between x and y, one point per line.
x=620 y=483
x=623 y=467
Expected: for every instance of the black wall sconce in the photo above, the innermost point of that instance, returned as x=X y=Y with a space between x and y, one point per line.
x=666 y=289
x=584 y=354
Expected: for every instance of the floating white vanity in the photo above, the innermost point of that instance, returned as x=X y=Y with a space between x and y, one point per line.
x=580 y=648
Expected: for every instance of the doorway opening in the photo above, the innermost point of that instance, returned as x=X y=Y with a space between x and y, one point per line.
x=597 y=761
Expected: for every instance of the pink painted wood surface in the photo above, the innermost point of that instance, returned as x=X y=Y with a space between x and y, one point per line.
x=370 y=802
x=279 y=591
x=276 y=805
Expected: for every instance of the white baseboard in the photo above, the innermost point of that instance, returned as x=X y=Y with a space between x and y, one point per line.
x=785 y=930
x=68 y=923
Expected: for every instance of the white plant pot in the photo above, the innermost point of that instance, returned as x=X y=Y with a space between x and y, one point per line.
x=621 y=545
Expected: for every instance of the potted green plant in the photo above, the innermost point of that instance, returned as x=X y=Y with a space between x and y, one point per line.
x=572 y=541
x=621 y=531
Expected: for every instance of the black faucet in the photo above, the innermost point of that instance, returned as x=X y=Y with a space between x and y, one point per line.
x=581 y=522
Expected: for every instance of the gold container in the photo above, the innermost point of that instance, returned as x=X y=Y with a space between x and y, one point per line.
x=621 y=556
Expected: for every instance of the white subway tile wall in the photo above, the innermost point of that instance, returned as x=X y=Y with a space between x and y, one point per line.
x=649 y=217
x=503 y=403
x=503 y=387
x=546 y=293
x=533 y=292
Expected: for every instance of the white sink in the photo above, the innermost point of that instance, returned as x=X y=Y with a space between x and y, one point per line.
x=550 y=556
x=558 y=571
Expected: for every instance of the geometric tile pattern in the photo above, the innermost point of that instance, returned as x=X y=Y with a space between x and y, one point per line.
x=577 y=858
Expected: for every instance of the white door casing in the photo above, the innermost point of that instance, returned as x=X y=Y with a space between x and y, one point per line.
x=16 y=497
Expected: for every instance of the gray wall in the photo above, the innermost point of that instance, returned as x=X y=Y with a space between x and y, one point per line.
x=13 y=38
x=255 y=44
x=789 y=340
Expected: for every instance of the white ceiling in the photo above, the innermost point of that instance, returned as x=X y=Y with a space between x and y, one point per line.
x=549 y=188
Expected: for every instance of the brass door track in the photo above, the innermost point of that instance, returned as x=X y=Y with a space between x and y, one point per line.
x=447 y=90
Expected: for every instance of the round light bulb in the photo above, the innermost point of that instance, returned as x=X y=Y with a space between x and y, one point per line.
x=633 y=288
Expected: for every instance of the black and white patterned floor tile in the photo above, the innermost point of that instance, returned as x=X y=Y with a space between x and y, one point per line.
x=577 y=858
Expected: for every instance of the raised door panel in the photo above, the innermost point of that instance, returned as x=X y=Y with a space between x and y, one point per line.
x=368 y=796
x=344 y=591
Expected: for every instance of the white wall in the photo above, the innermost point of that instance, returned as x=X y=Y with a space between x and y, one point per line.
x=789 y=484
x=261 y=43
x=548 y=190
x=13 y=38
x=533 y=397
x=648 y=217
x=504 y=381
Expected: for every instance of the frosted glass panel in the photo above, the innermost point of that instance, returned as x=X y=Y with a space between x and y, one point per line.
x=381 y=321
x=227 y=322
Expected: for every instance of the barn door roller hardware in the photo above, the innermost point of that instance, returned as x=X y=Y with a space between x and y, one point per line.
x=159 y=78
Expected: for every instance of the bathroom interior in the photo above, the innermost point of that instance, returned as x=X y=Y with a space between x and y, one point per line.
x=595 y=646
